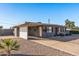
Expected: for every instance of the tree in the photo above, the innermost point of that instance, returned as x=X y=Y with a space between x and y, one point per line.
x=72 y=24
x=8 y=45
x=69 y=24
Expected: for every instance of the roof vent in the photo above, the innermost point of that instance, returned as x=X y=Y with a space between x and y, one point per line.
x=27 y=22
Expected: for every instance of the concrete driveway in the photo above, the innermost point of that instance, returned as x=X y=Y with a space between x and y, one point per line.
x=70 y=46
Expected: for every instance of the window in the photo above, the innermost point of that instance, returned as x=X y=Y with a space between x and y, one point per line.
x=45 y=29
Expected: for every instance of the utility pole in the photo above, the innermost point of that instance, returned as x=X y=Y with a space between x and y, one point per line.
x=48 y=21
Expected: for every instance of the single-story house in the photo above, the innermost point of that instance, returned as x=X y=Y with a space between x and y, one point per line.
x=5 y=32
x=38 y=29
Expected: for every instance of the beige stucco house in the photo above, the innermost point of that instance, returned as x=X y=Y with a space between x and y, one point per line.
x=38 y=29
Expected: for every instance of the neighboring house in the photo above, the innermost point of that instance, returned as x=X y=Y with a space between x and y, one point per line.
x=68 y=30
x=1 y=27
x=5 y=32
x=38 y=29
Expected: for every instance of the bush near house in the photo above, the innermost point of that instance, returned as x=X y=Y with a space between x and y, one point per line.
x=74 y=31
x=8 y=45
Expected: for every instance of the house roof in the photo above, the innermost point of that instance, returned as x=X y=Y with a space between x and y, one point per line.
x=37 y=24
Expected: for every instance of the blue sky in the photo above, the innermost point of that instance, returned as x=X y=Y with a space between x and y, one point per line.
x=12 y=14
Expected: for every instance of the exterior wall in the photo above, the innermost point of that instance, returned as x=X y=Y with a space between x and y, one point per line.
x=23 y=32
x=16 y=31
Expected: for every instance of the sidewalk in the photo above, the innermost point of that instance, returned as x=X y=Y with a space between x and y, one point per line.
x=68 y=47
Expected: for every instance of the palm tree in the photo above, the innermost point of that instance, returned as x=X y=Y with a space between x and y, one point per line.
x=69 y=24
x=8 y=45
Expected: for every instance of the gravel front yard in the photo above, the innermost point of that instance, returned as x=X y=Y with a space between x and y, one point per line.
x=29 y=48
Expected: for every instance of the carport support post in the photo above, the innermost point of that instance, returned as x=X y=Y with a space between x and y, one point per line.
x=64 y=29
x=40 y=31
x=59 y=29
x=53 y=29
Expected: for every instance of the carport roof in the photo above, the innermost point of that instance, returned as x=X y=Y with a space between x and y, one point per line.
x=37 y=24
